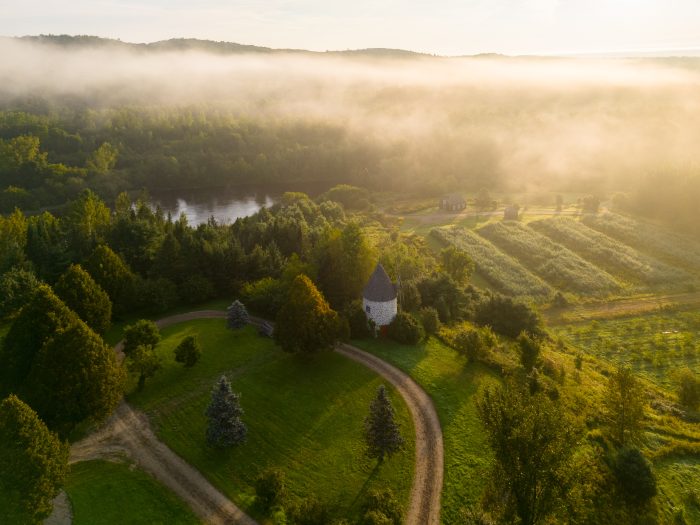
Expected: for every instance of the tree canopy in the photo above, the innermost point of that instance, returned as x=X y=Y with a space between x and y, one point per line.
x=306 y=322
x=85 y=297
x=33 y=464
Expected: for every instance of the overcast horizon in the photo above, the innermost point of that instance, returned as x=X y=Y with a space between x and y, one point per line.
x=447 y=27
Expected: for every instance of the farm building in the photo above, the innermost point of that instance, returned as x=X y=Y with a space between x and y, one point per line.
x=452 y=202
x=379 y=298
x=511 y=212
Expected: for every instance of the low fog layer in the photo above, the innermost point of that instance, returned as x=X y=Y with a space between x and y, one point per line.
x=522 y=122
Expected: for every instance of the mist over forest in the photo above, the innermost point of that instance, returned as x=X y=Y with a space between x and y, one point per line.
x=185 y=115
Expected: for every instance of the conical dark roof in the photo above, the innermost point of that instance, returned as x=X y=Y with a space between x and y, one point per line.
x=379 y=288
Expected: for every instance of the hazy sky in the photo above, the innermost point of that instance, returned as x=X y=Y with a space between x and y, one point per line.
x=449 y=27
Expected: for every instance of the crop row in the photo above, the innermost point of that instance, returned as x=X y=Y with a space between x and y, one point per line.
x=556 y=264
x=648 y=238
x=504 y=273
x=611 y=255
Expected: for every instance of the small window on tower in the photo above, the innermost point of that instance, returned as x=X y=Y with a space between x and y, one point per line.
x=367 y=308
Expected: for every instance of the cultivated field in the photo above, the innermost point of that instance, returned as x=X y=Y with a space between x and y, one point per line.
x=648 y=238
x=620 y=260
x=654 y=345
x=559 y=266
x=503 y=273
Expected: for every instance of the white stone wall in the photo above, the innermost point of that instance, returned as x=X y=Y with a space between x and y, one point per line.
x=381 y=313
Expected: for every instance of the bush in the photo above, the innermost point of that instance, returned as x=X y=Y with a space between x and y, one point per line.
x=188 y=351
x=309 y=511
x=270 y=487
x=430 y=319
x=507 y=317
x=635 y=476
x=406 y=329
x=382 y=507
x=468 y=342
x=688 y=389
x=357 y=319
x=529 y=349
x=196 y=289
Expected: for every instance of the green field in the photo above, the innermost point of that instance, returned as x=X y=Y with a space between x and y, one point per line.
x=654 y=345
x=503 y=273
x=452 y=384
x=620 y=260
x=557 y=265
x=304 y=415
x=104 y=493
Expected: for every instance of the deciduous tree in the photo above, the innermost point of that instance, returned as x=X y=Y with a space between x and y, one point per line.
x=113 y=275
x=17 y=286
x=85 y=297
x=74 y=377
x=624 y=403
x=141 y=333
x=533 y=443
x=306 y=323
x=33 y=464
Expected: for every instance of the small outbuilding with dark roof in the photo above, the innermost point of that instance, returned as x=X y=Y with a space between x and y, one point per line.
x=379 y=298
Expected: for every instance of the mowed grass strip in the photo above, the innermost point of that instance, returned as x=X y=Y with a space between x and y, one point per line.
x=502 y=272
x=453 y=385
x=105 y=493
x=304 y=415
x=612 y=255
x=556 y=264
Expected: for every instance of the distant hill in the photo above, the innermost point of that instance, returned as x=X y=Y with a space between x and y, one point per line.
x=194 y=44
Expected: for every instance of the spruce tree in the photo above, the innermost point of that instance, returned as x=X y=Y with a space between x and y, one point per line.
x=224 y=412
x=381 y=430
x=188 y=351
x=33 y=464
x=237 y=315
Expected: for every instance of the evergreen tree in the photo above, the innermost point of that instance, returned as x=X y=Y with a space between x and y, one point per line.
x=47 y=246
x=113 y=275
x=141 y=333
x=143 y=361
x=86 y=223
x=74 y=377
x=84 y=296
x=225 y=427
x=33 y=464
x=381 y=430
x=42 y=317
x=306 y=323
x=237 y=315
x=529 y=351
x=188 y=351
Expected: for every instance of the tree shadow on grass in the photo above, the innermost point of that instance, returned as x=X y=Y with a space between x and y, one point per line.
x=354 y=505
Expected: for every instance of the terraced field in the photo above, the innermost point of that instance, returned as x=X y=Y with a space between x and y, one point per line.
x=503 y=273
x=648 y=238
x=619 y=259
x=559 y=266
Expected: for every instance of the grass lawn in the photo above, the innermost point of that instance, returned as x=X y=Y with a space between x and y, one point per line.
x=304 y=415
x=103 y=493
x=452 y=384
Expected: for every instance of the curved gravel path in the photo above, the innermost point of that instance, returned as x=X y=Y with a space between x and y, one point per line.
x=128 y=432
